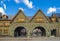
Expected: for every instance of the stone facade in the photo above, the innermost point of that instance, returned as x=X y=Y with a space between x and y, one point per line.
x=50 y=24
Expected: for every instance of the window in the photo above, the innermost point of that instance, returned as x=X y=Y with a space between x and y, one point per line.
x=6 y=30
x=40 y=20
x=1 y=24
x=6 y=24
x=0 y=31
x=20 y=20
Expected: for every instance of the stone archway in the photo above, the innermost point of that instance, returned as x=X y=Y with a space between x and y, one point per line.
x=20 y=32
x=39 y=31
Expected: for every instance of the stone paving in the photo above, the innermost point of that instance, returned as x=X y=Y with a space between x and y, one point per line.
x=30 y=39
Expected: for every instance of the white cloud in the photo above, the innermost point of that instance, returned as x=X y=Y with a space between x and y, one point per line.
x=2 y=11
x=17 y=1
x=26 y=2
x=29 y=4
x=21 y=9
x=51 y=10
x=4 y=6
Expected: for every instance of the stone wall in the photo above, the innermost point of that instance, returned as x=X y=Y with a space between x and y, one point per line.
x=30 y=26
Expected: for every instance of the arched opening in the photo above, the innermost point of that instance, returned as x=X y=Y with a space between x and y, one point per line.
x=53 y=32
x=20 y=31
x=39 y=31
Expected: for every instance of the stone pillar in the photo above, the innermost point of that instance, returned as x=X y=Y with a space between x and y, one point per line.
x=3 y=31
x=48 y=33
x=59 y=32
x=11 y=33
x=29 y=34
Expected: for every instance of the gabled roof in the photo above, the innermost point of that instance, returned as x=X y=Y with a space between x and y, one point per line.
x=42 y=13
x=18 y=14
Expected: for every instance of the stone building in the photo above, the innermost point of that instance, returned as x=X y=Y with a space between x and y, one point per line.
x=22 y=26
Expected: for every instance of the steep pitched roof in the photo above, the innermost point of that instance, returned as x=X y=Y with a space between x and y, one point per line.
x=17 y=15
x=42 y=13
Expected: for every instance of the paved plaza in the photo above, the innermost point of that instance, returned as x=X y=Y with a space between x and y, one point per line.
x=30 y=39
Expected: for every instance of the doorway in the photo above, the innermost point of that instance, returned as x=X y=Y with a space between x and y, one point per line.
x=20 y=32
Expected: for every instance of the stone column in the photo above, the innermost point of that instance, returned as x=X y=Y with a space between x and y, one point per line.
x=29 y=34
x=11 y=33
x=3 y=31
x=48 y=33
x=59 y=31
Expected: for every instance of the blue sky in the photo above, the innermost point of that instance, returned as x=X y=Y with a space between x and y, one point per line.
x=29 y=7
